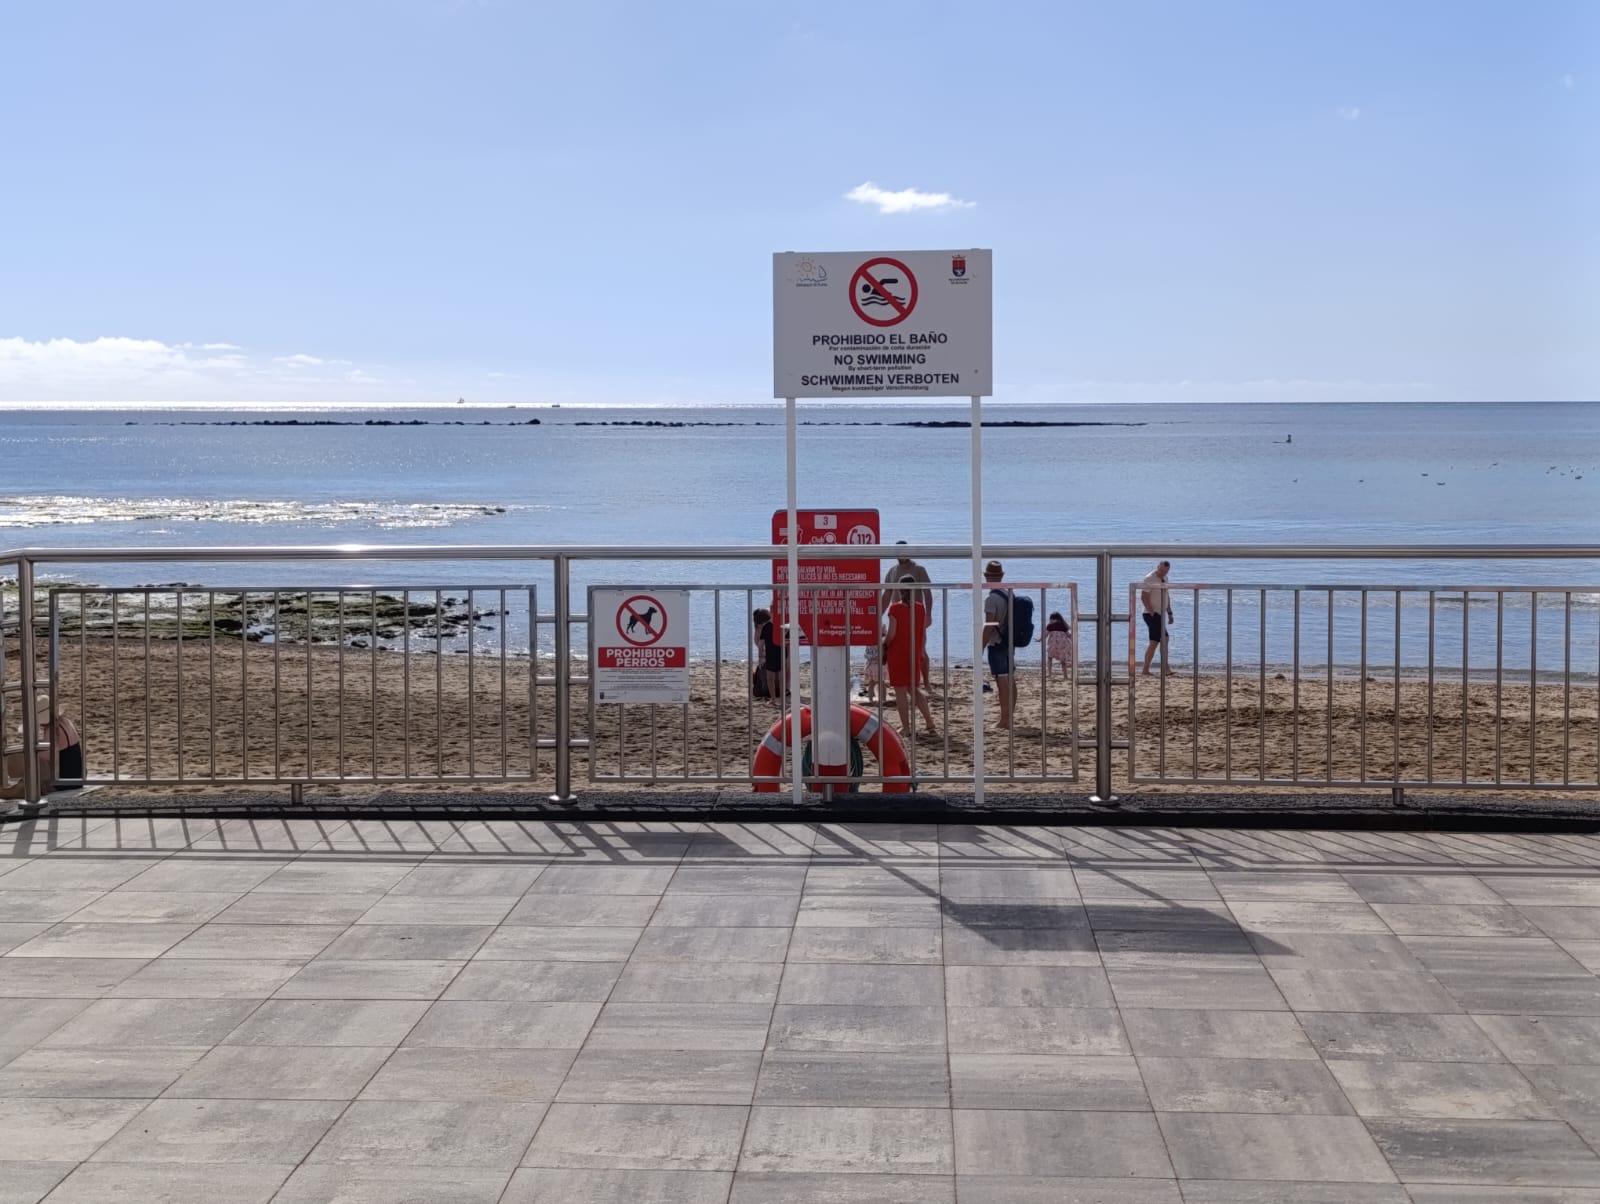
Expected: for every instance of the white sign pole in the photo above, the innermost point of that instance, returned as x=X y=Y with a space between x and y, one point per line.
x=791 y=638
x=977 y=600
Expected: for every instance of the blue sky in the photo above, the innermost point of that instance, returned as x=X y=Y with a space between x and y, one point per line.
x=415 y=200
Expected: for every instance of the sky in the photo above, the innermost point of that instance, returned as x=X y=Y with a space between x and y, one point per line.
x=417 y=200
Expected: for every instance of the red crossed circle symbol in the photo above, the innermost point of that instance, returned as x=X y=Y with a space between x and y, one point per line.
x=876 y=285
x=642 y=613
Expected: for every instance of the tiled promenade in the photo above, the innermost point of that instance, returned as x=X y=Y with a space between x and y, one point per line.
x=456 y=1013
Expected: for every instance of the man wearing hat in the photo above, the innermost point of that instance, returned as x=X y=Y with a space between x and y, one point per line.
x=995 y=608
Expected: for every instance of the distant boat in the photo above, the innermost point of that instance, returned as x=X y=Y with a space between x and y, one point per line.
x=461 y=401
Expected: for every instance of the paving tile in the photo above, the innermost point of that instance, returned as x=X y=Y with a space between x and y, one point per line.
x=43 y=906
x=1108 y=884
x=712 y=944
x=186 y=872
x=345 y=876
x=738 y=880
x=181 y=978
x=1553 y=1040
x=1455 y=919
x=1522 y=1152
x=252 y=1132
x=97 y=1073
x=1280 y=1086
x=241 y=941
x=582 y=911
x=1159 y=915
x=1533 y=994
x=864 y=1080
x=1398 y=1036
x=1007 y=882
x=75 y=872
x=408 y=942
x=265 y=907
x=476 y=1135
x=326 y=979
x=63 y=977
x=463 y=881
x=1208 y=1145
x=862 y=984
x=1055 y=1189
x=1212 y=948
x=1466 y=1090
x=1215 y=1033
x=1025 y=986
x=1456 y=1193
x=333 y=1022
x=868 y=911
x=537 y=944
x=1200 y=1191
x=536 y=982
x=1362 y=991
x=767 y=1187
x=1549 y=890
x=1301 y=915
x=433 y=909
x=919 y=946
x=1562 y=923
x=539 y=1185
x=176 y=907
x=1229 y=990
x=463 y=1075
x=29 y=1023
x=601 y=1076
x=845 y=1028
x=117 y=1183
x=1585 y=953
x=603 y=880
x=30 y=1182
x=60 y=1130
x=1337 y=951
x=1468 y=955
x=1295 y=886
x=639 y=1137
x=1058 y=1143
x=726 y=911
x=131 y=1023
x=1019 y=946
x=1036 y=1031
x=908 y=880
x=355 y=1184
x=1574 y=1092
x=702 y=1026
x=503 y=1024
x=278 y=1072
x=1422 y=888
x=700 y=982
x=848 y=1141
x=72 y=939
x=1041 y=1081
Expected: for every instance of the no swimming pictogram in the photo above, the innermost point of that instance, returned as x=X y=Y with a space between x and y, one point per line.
x=642 y=620
x=883 y=292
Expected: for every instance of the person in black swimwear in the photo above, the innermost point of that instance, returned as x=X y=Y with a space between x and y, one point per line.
x=66 y=750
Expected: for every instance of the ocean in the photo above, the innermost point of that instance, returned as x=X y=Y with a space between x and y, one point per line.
x=1162 y=474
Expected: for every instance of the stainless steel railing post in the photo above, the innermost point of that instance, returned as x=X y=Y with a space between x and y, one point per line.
x=563 y=717
x=32 y=787
x=1102 y=678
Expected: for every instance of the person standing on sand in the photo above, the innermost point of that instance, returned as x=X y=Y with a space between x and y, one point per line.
x=906 y=569
x=770 y=650
x=997 y=641
x=1156 y=602
x=905 y=643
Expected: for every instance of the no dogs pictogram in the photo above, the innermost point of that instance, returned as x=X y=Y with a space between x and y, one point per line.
x=642 y=620
x=883 y=292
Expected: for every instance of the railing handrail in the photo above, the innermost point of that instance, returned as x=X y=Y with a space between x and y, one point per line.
x=1174 y=550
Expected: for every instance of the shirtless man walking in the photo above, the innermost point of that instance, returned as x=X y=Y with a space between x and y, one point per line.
x=1157 y=604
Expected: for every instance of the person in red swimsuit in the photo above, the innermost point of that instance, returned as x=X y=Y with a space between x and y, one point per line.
x=905 y=645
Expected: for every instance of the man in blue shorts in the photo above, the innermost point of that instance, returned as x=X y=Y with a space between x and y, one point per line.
x=997 y=639
x=1156 y=602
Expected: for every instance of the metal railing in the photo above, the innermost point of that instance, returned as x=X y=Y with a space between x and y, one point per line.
x=304 y=683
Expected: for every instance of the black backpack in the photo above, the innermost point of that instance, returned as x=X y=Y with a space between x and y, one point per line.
x=1016 y=631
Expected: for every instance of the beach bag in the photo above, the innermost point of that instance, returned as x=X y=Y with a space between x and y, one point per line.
x=1017 y=631
x=758 y=682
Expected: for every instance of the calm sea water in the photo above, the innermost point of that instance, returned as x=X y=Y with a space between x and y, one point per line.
x=1173 y=475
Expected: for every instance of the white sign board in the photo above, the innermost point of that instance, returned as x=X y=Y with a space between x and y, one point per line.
x=641 y=645
x=882 y=324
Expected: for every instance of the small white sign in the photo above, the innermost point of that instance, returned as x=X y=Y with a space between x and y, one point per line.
x=640 y=651
x=883 y=324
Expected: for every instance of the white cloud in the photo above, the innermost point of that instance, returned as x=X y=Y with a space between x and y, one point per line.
x=120 y=369
x=907 y=200
x=1350 y=113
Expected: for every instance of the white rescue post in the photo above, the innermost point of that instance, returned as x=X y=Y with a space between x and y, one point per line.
x=977 y=599
x=791 y=634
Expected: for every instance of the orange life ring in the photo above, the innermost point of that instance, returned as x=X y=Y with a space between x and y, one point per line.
x=865 y=729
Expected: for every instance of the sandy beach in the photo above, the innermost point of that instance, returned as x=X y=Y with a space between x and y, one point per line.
x=273 y=712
